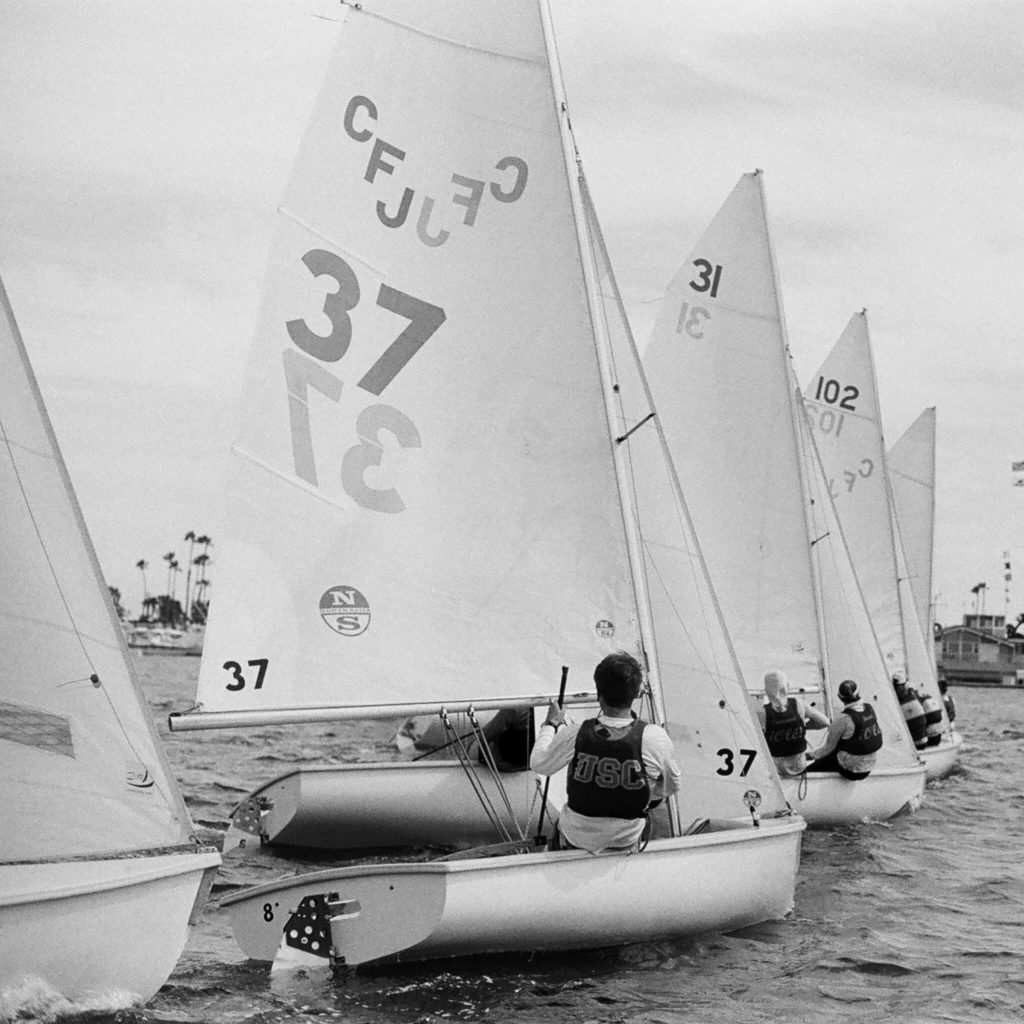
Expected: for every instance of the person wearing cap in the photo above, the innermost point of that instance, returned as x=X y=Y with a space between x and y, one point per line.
x=784 y=721
x=619 y=765
x=853 y=740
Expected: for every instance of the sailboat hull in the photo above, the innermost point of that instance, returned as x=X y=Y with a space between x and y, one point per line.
x=941 y=760
x=102 y=930
x=728 y=878
x=825 y=799
x=369 y=806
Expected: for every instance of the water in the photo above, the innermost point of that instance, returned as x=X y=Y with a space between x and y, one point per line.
x=916 y=920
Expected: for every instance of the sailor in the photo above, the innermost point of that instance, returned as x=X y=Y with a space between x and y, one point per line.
x=947 y=699
x=853 y=740
x=932 y=719
x=913 y=712
x=509 y=735
x=620 y=764
x=784 y=721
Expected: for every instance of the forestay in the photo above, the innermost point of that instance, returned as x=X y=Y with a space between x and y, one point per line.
x=419 y=501
x=83 y=771
x=843 y=404
x=719 y=745
x=911 y=462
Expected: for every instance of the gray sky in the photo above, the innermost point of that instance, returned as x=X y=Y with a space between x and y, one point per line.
x=144 y=146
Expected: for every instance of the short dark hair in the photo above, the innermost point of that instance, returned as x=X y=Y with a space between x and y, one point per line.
x=618 y=678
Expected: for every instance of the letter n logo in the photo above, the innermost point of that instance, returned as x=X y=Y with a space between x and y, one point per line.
x=345 y=610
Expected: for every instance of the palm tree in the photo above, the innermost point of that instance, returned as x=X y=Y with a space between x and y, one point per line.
x=191 y=538
x=142 y=565
x=200 y=562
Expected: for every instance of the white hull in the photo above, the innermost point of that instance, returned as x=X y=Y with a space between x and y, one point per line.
x=941 y=760
x=98 y=929
x=369 y=806
x=715 y=881
x=825 y=799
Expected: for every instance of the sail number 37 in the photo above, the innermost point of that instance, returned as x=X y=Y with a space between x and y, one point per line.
x=729 y=761
x=302 y=373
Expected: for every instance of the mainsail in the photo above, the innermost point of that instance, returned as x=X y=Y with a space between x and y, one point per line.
x=911 y=462
x=843 y=405
x=717 y=363
x=418 y=504
x=83 y=770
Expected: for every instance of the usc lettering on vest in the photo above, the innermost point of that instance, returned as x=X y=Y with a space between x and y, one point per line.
x=609 y=772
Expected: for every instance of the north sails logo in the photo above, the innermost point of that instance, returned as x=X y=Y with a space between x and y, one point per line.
x=345 y=610
x=604 y=628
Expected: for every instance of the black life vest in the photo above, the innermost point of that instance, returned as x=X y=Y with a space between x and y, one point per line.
x=784 y=730
x=867 y=734
x=932 y=715
x=914 y=714
x=607 y=777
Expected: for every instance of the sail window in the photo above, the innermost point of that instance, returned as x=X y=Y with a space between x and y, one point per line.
x=35 y=728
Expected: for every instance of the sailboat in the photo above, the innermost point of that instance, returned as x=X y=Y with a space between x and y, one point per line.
x=843 y=401
x=440 y=500
x=719 y=368
x=100 y=872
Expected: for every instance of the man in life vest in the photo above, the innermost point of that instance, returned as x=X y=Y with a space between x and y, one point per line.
x=933 y=725
x=784 y=721
x=618 y=763
x=853 y=740
x=913 y=712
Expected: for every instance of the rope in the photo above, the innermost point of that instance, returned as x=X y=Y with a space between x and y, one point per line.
x=478 y=787
x=488 y=756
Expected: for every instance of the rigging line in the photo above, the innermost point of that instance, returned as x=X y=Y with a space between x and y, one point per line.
x=96 y=681
x=42 y=544
x=492 y=765
x=478 y=786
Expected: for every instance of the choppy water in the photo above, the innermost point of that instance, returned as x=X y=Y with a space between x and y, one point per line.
x=917 y=920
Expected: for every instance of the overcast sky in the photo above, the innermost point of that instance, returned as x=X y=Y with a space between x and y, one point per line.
x=144 y=147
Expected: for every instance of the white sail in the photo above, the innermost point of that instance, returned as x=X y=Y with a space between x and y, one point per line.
x=720 y=746
x=717 y=365
x=83 y=771
x=418 y=504
x=843 y=405
x=842 y=402
x=849 y=638
x=911 y=462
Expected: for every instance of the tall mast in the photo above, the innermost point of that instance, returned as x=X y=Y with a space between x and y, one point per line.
x=602 y=348
x=801 y=450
